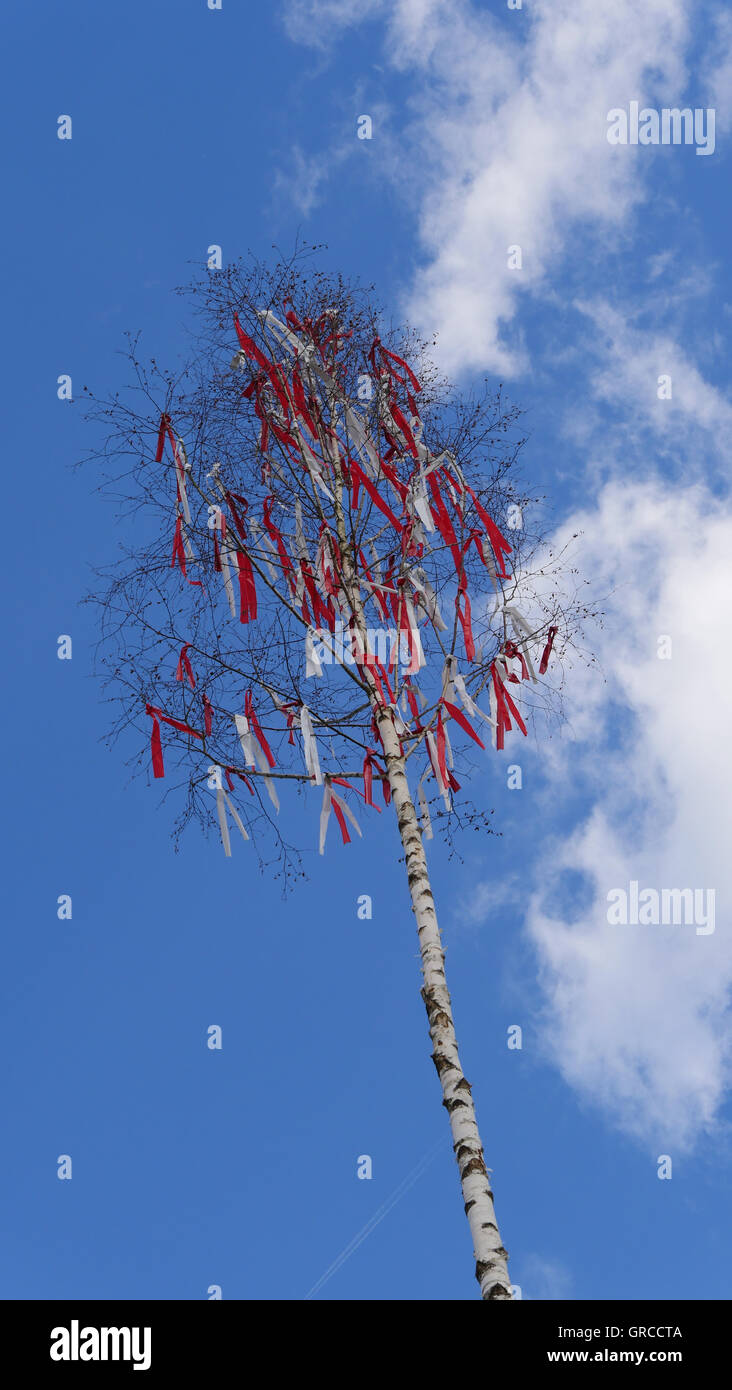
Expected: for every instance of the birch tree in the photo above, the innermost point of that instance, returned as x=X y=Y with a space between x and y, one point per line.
x=319 y=596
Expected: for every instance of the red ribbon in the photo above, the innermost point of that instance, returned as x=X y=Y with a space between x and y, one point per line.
x=165 y=427
x=547 y=650
x=498 y=541
x=400 y=421
x=237 y=773
x=377 y=346
x=368 y=778
x=376 y=595
x=253 y=353
x=441 y=750
x=459 y=717
x=207 y=714
x=321 y=612
x=275 y=535
x=340 y=818
x=247 y=589
x=232 y=498
x=301 y=404
x=156 y=747
x=369 y=763
x=359 y=479
x=179 y=554
x=504 y=704
x=414 y=707
x=184 y=664
x=512 y=650
x=465 y=622
x=443 y=522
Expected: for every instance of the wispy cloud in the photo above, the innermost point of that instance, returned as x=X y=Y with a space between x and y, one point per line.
x=506 y=145
x=637 y=1018
x=653 y=378
x=542 y=1278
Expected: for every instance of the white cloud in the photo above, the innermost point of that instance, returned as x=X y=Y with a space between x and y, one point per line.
x=483 y=902
x=717 y=70
x=318 y=23
x=637 y=1018
x=302 y=181
x=632 y=360
x=507 y=144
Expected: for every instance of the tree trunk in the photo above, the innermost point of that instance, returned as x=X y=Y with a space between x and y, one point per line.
x=491 y=1269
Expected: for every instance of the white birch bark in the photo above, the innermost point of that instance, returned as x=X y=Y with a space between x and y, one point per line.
x=491 y=1269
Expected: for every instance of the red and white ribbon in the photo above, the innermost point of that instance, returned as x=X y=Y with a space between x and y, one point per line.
x=342 y=813
x=280 y=331
x=524 y=635
x=437 y=768
x=502 y=705
x=254 y=752
x=180 y=458
x=226 y=553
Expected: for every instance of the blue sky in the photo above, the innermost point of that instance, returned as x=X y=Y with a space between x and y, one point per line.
x=237 y=127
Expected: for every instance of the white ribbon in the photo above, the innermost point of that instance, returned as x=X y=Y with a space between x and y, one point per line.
x=181 y=468
x=422 y=585
x=260 y=539
x=399 y=725
x=313 y=463
x=222 y=801
x=362 y=441
x=325 y=815
x=447 y=679
x=467 y=702
x=415 y=637
x=245 y=738
x=226 y=549
x=279 y=330
x=448 y=748
x=312 y=660
x=310 y=747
